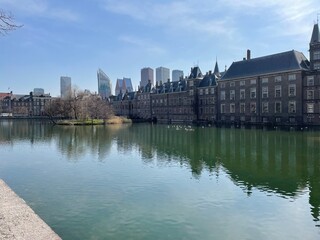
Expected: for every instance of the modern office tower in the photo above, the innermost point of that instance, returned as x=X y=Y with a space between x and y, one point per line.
x=104 y=84
x=177 y=75
x=162 y=75
x=65 y=87
x=123 y=85
x=146 y=75
x=38 y=91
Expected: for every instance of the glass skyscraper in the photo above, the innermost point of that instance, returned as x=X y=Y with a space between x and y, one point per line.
x=104 y=84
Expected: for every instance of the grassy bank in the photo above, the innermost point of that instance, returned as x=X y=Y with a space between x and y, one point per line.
x=112 y=120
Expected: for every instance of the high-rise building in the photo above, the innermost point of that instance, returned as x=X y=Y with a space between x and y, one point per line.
x=38 y=91
x=146 y=75
x=123 y=85
x=104 y=84
x=65 y=87
x=162 y=75
x=177 y=75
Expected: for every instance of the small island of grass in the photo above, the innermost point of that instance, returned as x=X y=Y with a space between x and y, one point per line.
x=111 y=120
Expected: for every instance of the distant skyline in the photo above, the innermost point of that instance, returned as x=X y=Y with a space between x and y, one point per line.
x=75 y=38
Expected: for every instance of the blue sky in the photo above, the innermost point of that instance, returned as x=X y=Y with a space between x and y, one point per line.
x=76 y=37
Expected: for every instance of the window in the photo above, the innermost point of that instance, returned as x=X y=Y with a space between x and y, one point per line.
x=264 y=92
x=265 y=107
x=242 y=107
x=253 y=108
x=292 y=77
x=292 y=106
x=232 y=94
x=317 y=66
x=231 y=84
x=316 y=55
x=253 y=81
x=242 y=83
x=310 y=108
x=310 y=94
x=242 y=93
x=253 y=93
x=277 y=91
x=277 y=107
x=222 y=95
x=223 y=108
x=207 y=91
x=277 y=79
x=191 y=83
x=232 y=108
x=264 y=80
x=212 y=90
x=191 y=92
x=222 y=85
x=292 y=90
x=201 y=91
x=310 y=81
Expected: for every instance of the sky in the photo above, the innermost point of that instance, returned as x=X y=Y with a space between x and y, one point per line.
x=76 y=37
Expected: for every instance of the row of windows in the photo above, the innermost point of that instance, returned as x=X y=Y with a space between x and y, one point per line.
x=264 y=80
x=206 y=91
x=173 y=111
x=264 y=109
x=145 y=96
x=264 y=92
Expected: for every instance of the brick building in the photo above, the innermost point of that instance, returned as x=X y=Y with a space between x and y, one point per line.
x=280 y=89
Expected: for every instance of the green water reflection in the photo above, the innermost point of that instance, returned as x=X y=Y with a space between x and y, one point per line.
x=284 y=164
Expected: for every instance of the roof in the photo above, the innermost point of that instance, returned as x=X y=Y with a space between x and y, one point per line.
x=176 y=86
x=216 y=69
x=195 y=73
x=315 y=38
x=3 y=95
x=208 y=80
x=280 y=62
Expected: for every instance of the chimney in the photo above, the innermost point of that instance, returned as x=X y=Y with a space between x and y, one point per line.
x=248 y=54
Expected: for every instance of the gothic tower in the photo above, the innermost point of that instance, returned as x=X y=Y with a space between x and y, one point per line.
x=315 y=48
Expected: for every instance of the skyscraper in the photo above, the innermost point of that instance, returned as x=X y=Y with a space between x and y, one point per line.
x=104 y=84
x=176 y=75
x=146 y=75
x=65 y=87
x=162 y=74
x=123 y=85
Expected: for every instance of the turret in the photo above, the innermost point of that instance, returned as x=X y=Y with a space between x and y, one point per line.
x=216 y=70
x=315 y=48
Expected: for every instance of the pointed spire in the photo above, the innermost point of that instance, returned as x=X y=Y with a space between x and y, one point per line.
x=216 y=69
x=315 y=38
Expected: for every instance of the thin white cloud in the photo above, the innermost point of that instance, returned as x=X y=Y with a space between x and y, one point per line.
x=39 y=8
x=145 y=44
x=286 y=17
x=182 y=16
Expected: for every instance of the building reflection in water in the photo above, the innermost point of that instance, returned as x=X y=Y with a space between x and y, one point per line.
x=283 y=162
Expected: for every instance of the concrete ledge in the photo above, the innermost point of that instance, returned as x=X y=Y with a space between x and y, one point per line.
x=18 y=220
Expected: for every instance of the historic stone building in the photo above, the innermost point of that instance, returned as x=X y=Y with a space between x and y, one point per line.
x=18 y=105
x=279 y=89
x=311 y=82
x=263 y=90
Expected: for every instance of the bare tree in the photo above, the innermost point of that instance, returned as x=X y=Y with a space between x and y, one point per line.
x=98 y=108
x=7 y=22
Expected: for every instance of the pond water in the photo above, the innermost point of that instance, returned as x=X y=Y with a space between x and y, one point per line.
x=148 y=181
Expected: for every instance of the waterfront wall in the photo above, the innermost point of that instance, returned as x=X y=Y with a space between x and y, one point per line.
x=18 y=220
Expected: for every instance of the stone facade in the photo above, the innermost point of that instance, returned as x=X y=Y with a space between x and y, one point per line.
x=278 y=89
x=24 y=105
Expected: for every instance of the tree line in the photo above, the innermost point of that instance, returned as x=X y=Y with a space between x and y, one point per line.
x=80 y=105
